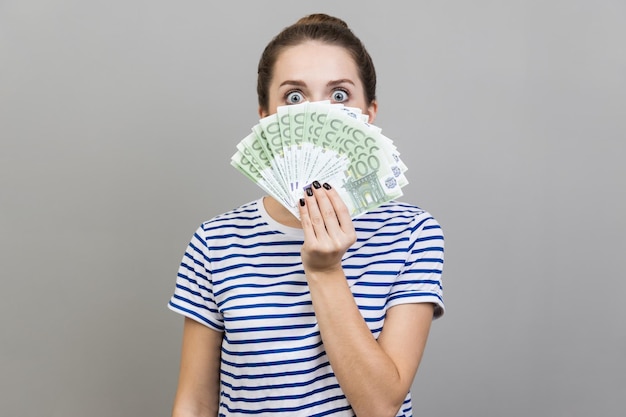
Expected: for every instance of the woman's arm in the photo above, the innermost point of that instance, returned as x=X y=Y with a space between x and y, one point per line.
x=374 y=375
x=199 y=379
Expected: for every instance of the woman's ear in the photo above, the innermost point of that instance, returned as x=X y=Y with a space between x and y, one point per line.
x=262 y=112
x=372 y=110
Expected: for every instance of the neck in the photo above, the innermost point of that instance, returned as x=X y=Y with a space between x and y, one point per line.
x=279 y=213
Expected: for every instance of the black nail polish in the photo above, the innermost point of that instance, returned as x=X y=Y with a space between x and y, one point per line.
x=302 y=202
x=327 y=186
x=317 y=185
x=309 y=191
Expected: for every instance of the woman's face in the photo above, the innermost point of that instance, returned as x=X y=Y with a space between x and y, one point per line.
x=315 y=71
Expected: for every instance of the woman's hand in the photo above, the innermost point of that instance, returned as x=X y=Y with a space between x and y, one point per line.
x=375 y=375
x=328 y=229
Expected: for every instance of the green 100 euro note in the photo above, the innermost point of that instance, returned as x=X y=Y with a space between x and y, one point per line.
x=286 y=151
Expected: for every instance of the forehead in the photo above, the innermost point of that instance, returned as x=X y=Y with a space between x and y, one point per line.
x=315 y=60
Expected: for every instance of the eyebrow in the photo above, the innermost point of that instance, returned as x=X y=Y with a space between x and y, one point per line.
x=339 y=82
x=301 y=83
x=293 y=82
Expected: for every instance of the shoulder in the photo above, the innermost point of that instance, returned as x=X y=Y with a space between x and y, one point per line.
x=240 y=220
x=243 y=214
x=397 y=214
x=397 y=224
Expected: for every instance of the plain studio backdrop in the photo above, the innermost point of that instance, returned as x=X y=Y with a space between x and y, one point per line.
x=117 y=123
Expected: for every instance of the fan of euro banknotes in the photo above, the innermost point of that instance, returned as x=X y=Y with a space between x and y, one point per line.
x=327 y=142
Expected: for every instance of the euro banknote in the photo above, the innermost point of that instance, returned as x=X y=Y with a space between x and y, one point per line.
x=326 y=142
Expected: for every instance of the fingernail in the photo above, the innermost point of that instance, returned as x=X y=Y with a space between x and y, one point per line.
x=309 y=191
x=316 y=184
x=327 y=186
x=302 y=202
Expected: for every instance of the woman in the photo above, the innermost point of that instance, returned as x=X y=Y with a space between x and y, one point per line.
x=319 y=316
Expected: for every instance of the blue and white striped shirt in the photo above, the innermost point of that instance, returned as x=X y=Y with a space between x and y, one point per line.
x=242 y=275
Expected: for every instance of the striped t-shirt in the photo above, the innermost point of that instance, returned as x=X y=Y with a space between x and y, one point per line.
x=242 y=275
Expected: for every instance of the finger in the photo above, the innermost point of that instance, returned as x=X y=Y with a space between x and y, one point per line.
x=305 y=221
x=315 y=217
x=339 y=207
x=327 y=210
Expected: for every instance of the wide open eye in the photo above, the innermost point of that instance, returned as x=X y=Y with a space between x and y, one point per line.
x=340 y=96
x=294 y=97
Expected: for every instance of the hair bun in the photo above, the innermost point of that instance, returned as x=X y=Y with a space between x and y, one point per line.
x=317 y=18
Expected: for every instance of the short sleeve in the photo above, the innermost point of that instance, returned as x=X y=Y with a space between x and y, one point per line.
x=420 y=279
x=193 y=295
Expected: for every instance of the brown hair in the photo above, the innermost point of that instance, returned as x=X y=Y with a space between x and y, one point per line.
x=318 y=27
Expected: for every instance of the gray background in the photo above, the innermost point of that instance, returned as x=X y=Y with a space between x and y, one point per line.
x=117 y=123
